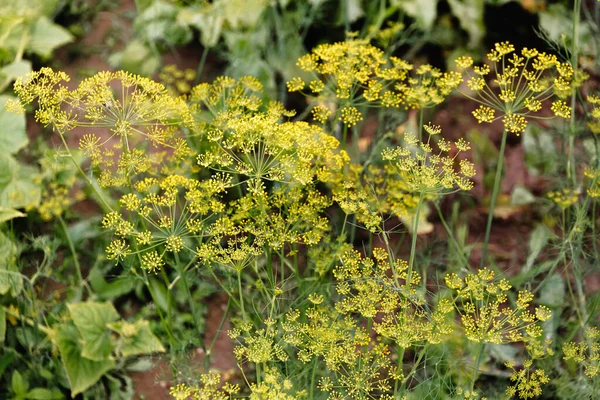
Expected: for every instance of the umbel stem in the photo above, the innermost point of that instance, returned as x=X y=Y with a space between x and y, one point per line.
x=495 y=192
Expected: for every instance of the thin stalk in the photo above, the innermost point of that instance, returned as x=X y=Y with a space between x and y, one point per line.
x=212 y=343
x=455 y=243
x=477 y=362
x=241 y=294
x=495 y=192
x=312 y=379
x=421 y=112
x=192 y=304
x=398 y=370
x=571 y=173
x=413 y=246
x=200 y=68
x=82 y=281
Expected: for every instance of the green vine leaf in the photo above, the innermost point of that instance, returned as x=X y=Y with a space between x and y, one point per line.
x=136 y=338
x=82 y=372
x=91 y=319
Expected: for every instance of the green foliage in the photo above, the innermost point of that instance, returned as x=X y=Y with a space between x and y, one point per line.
x=312 y=212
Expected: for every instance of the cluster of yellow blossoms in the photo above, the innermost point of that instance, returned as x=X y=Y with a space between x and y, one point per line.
x=485 y=315
x=427 y=172
x=586 y=352
x=220 y=177
x=359 y=74
x=520 y=85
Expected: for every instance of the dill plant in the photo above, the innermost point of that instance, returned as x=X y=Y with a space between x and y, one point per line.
x=221 y=181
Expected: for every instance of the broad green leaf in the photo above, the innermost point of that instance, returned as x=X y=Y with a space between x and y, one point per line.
x=91 y=319
x=15 y=69
x=81 y=372
x=18 y=188
x=120 y=388
x=44 y=394
x=109 y=289
x=540 y=150
x=470 y=16
x=502 y=352
x=423 y=11
x=209 y=24
x=136 y=338
x=11 y=279
x=47 y=36
x=350 y=11
x=2 y=324
x=157 y=22
x=19 y=384
x=140 y=365
x=520 y=196
x=553 y=292
x=537 y=242
x=159 y=293
x=6 y=214
x=136 y=58
x=6 y=360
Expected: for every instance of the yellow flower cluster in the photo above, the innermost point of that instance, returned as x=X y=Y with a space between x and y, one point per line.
x=594 y=187
x=485 y=316
x=276 y=387
x=170 y=213
x=594 y=124
x=429 y=172
x=518 y=85
x=586 y=352
x=210 y=388
x=528 y=381
x=358 y=73
x=378 y=288
x=564 y=198
x=357 y=364
x=178 y=82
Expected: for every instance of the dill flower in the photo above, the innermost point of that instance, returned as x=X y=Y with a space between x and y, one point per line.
x=177 y=82
x=594 y=175
x=427 y=172
x=356 y=72
x=586 y=352
x=594 y=124
x=528 y=381
x=519 y=85
x=484 y=314
x=275 y=386
x=180 y=391
x=564 y=198
x=169 y=214
x=372 y=287
x=256 y=146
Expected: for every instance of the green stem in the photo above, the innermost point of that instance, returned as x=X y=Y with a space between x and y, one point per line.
x=398 y=370
x=74 y=254
x=106 y=206
x=241 y=294
x=413 y=246
x=200 y=68
x=212 y=343
x=571 y=171
x=421 y=112
x=476 y=367
x=459 y=250
x=192 y=304
x=496 y=190
x=313 y=378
